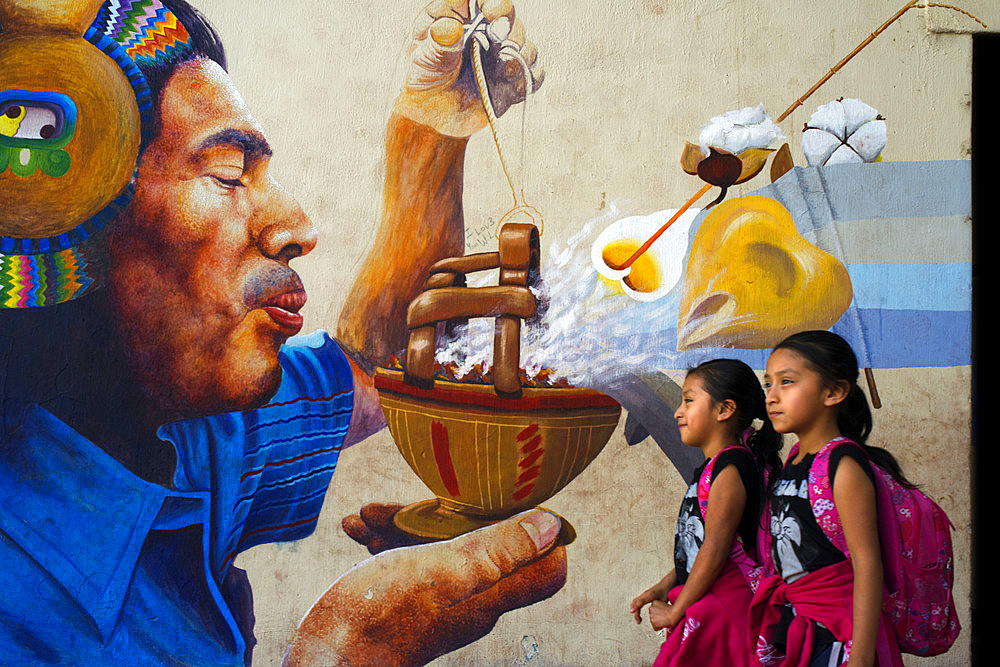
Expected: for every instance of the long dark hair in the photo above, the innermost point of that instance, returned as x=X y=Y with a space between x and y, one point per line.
x=832 y=357
x=732 y=380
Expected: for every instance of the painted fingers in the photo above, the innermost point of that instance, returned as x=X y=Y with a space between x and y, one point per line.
x=442 y=90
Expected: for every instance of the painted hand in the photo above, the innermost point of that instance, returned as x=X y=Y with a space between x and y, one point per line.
x=410 y=605
x=440 y=89
x=372 y=528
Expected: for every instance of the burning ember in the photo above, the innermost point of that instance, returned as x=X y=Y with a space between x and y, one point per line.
x=451 y=372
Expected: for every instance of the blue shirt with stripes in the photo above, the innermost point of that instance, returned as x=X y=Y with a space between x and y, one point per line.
x=98 y=566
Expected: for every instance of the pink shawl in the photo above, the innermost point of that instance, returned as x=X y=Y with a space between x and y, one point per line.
x=824 y=596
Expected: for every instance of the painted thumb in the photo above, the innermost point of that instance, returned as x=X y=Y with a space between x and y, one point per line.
x=509 y=545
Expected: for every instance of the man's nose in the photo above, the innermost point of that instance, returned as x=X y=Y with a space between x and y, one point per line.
x=286 y=231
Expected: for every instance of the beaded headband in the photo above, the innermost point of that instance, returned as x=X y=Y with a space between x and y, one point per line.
x=71 y=125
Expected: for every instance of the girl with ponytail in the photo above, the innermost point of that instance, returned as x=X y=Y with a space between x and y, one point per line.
x=702 y=602
x=832 y=358
x=821 y=607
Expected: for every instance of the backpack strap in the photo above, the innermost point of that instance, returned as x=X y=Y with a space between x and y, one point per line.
x=749 y=568
x=793 y=452
x=705 y=481
x=821 y=493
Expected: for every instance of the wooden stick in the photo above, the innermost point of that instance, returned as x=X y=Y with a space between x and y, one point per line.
x=957 y=9
x=645 y=246
x=844 y=61
x=872 y=389
x=866 y=42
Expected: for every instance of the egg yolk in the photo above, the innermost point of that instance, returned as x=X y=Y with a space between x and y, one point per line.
x=643 y=276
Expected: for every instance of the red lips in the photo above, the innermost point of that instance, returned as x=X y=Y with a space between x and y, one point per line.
x=284 y=310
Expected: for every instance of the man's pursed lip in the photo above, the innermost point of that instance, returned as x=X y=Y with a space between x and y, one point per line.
x=284 y=310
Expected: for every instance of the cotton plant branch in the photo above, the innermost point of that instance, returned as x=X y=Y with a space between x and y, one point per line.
x=868 y=40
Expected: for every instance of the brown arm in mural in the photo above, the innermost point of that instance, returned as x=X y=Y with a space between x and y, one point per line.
x=422 y=220
x=408 y=606
x=421 y=223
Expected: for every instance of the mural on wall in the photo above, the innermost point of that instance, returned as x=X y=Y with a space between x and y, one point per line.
x=161 y=414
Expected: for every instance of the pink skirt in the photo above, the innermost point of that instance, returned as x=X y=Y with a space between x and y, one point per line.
x=714 y=629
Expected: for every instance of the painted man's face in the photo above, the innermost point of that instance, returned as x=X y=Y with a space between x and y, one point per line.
x=203 y=293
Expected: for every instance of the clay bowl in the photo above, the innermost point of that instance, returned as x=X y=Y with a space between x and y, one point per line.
x=486 y=457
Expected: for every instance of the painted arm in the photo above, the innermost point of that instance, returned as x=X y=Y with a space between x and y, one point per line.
x=422 y=221
x=854 y=497
x=437 y=111
x=407 y=606
x=726 y=501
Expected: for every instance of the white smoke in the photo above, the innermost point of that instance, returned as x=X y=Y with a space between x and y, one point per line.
x=588 y=332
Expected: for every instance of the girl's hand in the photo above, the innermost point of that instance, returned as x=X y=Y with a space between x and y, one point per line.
x=646 y=597
x=658 y=591
x=663 y=615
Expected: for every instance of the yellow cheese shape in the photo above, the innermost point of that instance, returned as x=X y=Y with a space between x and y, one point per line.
x=752 y=279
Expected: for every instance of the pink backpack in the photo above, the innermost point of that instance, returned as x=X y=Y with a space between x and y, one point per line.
x=915 y=538
x=748 y=566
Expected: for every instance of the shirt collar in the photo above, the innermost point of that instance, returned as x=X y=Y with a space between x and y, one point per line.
x=74 y=509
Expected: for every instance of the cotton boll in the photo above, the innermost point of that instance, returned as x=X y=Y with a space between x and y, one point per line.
x=712 y=135
x=762 y=135
x=750 y=115
x=869 y=140
x=739 y=130
x=819 y=145
x=738 y=139
x=830 y=118
x=843 y=155
x=844 y=131
x=856 y=114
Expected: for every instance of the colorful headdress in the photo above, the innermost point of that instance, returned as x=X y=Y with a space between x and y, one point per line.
x=74 y=111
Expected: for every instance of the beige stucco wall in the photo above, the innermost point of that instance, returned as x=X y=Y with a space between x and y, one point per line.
x=628 y=81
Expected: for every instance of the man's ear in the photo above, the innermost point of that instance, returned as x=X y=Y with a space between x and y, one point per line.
x=727 y=409
x=837 y=392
